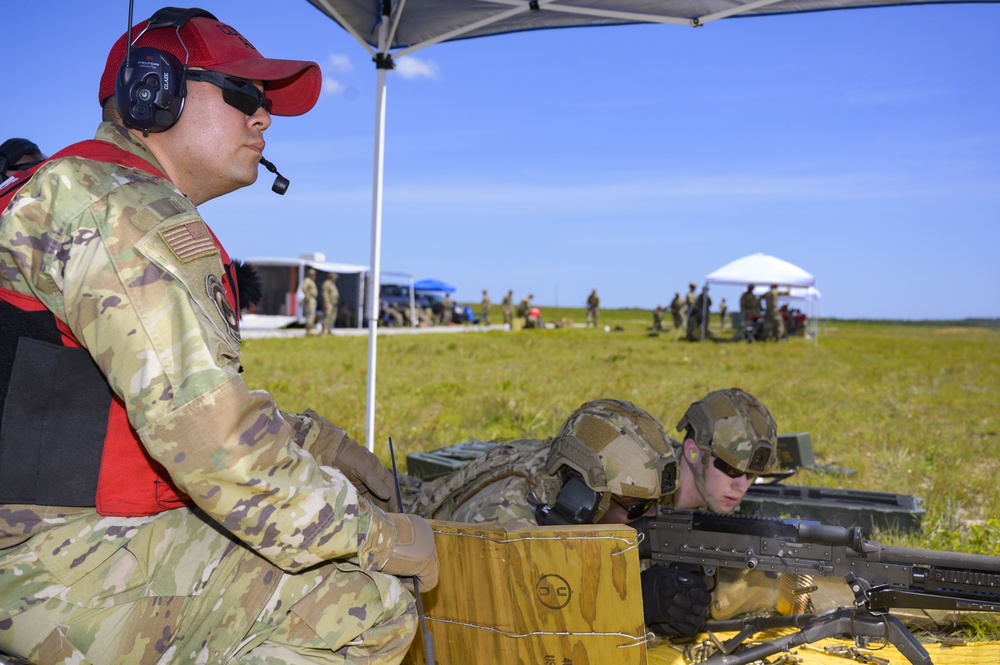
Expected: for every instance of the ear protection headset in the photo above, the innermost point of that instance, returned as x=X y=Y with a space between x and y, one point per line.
x=150 y=87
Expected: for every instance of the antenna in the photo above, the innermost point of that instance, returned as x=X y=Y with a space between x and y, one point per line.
x=128 y=39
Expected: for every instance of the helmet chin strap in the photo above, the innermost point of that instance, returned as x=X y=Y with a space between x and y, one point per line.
x=699 y=482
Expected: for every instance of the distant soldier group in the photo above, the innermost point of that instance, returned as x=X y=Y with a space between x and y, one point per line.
x=310 y=301
x=761 y=316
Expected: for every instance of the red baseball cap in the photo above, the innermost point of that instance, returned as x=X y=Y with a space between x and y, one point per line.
x=293 y=86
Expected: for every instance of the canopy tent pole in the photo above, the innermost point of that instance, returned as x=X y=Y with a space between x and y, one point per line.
x=382 y=63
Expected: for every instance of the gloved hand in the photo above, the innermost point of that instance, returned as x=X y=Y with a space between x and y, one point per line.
x=414 y=554
x=364 y=469
x=675 y=602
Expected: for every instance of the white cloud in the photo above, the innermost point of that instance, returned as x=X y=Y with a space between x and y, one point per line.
x=332 y=86
x=414 y=68
x=339 y=62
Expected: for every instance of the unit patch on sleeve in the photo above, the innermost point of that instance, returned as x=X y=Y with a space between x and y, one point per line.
x=189 y=240
x=217 y=293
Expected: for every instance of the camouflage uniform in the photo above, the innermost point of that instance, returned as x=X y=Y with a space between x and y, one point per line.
x=524 y=308
x=507 y=307
x=749 y=305
x=593 y=308
x=309 y=295
x=495 y=487
x=658 y=318
x=447 y=310
x=492 y=488
x=275 y=555
x=486 y=307
x=698 y=311
x=772 y=318
x=331 y=297
x=677 y=310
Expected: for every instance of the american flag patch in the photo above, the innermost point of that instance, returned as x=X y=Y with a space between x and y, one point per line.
x=189 y=241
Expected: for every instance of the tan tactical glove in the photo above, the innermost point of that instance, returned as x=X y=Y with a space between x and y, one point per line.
x=414 y=554
x=364 y=469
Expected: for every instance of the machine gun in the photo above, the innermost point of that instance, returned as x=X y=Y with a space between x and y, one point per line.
x=882 y=577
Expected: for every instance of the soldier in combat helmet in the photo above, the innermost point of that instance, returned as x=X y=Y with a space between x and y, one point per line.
x=610 y=463
x=618 y=455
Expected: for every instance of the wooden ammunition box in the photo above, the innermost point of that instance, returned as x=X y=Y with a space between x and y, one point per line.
x=538 y=596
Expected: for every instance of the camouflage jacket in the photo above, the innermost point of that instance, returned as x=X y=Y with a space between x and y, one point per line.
x=309 y=288
x=330 y=293
x=120 y=257
x=492 y=488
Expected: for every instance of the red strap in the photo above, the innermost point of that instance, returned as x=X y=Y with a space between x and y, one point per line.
x=102 y=151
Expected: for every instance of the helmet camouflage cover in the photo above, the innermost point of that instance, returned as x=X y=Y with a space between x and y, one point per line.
x=624 y=451
x=732 y=425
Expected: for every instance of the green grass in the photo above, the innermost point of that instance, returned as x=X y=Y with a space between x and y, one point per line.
x=914 y=409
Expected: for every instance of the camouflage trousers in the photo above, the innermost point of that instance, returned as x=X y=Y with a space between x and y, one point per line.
x=329 y=316
x=175 y=588
x=309 y=305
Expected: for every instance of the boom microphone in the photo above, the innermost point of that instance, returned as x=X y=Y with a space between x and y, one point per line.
x=280 y=185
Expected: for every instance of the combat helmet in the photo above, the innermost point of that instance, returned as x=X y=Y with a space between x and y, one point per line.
x=618 y=449
x=733 y=426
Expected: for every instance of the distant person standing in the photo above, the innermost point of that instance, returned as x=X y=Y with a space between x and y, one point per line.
x=447 y=309
x=593 y=308
x=486 y=307
x=309 y=294
x=722 y=313
x=697 y=315
x=507 y=307
x=690 y=297
x=773 y=326
x=393 y=317
x=749 y=305
x=658 y=318
x=524 y=308
x=331 y=297
x=677 y=310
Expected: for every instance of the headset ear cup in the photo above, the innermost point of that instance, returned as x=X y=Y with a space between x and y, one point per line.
x=149 y=92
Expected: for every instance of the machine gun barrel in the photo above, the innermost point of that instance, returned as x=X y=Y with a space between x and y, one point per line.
x=791 y=546
x=881 y=577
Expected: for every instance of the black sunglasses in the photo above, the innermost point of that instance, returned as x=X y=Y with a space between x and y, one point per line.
x=635 y=510
x=731 y=471
x=239 y=93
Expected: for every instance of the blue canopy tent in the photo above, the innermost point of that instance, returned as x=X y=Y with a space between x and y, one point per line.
x=433 y=285
x=389 y=29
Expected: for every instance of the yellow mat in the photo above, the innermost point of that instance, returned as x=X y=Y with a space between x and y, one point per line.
x=834 y=652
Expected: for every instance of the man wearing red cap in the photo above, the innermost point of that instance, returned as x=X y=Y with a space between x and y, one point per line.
x=153 y=509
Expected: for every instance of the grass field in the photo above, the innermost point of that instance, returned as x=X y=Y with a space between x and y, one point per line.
x=913 y=408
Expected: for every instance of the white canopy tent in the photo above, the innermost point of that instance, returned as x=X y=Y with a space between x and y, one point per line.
x=763 y=270
x=389 y=29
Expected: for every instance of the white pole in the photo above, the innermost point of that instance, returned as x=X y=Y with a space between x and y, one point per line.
x=376 y=244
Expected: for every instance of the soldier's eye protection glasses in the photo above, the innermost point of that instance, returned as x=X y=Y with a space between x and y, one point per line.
x=731 y=471
x=633 y=508
x=239 y=93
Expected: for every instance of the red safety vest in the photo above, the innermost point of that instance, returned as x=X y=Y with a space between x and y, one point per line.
x=130 y=483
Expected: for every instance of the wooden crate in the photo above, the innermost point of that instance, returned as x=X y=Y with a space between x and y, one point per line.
x=537 y=596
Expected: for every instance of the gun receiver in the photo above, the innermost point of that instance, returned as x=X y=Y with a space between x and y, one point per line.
x=881 y=577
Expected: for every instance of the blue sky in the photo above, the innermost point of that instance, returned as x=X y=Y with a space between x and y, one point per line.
x=862 y=145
